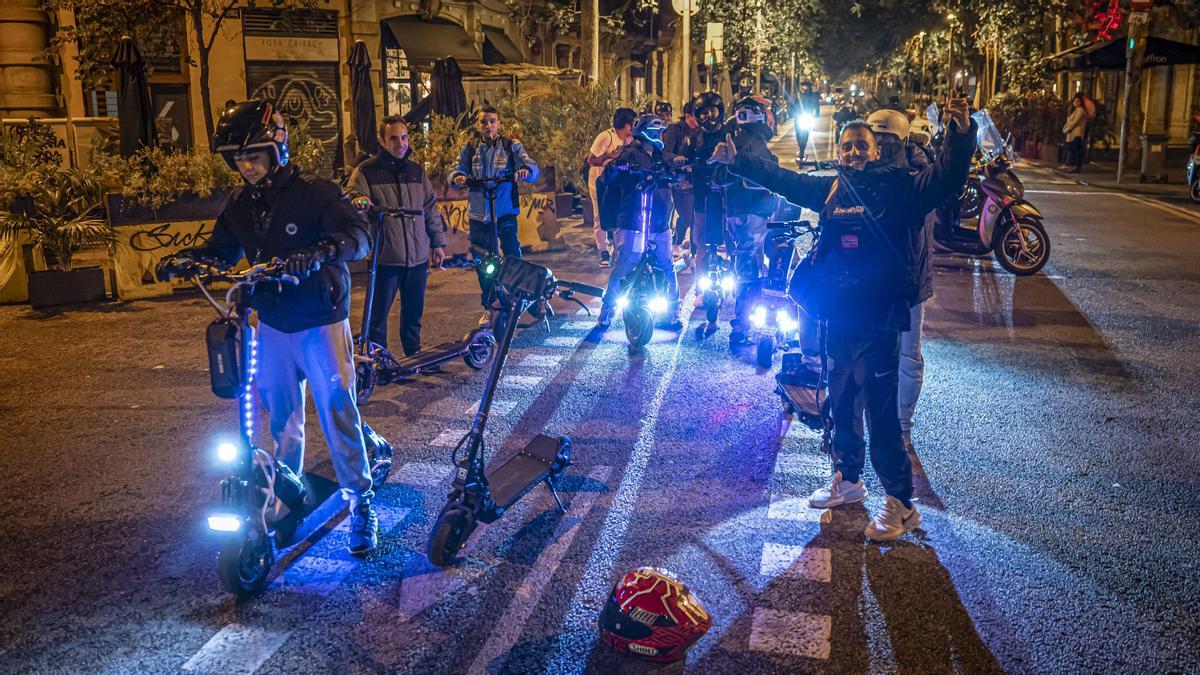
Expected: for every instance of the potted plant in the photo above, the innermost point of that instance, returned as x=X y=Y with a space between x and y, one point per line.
x=61 y=212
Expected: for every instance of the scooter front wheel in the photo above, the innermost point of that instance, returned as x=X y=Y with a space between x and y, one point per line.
x=244 y=563
x=479 y=352
x=454 y=525
x=639 y=327
x=364 y=381
x=1024 y=247
x=1194 y=192
x=712 y=306
x=765 y=353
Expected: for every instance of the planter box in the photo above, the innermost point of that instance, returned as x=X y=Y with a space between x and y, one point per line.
x=54 y=287
x=1048 y=152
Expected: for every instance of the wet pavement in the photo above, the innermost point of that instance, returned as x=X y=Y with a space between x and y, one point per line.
x=1056 y=432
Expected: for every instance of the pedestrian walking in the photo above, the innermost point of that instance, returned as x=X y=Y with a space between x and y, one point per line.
x=410 y=246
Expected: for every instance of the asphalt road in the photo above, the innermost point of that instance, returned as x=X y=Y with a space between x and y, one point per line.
x=1057 y=432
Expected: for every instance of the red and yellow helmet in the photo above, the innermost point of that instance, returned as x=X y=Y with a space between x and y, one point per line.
x=652 y=615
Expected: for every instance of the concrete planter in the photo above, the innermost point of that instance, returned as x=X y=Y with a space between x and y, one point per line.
x=56 y=287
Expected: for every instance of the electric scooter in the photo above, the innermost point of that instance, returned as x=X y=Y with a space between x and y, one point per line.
x=375 y=365
x=257 y=480
x=478 y=495
x=774 y=319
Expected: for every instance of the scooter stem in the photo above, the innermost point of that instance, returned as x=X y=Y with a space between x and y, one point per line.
x=515 y=309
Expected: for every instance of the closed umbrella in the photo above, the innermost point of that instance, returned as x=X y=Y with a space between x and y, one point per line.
x=449 y=97
x=362 y=98
x=135 y=116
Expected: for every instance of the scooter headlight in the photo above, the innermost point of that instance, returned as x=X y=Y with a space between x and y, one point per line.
x=622 y=302
x=728 y=284
x=785 y=322
x=227 y=452
x=806 y=122
x=223 y=522
x=657 y=304
x=705 y=283
x=758 y=318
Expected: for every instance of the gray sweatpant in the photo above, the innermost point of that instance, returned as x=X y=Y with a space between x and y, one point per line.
x=912 y=367
x=630 y=246
x=322 y=358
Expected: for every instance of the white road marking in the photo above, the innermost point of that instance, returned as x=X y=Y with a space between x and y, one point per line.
x=578 y=325
x=593 y=583
x=802 y=562
x=448 y=438
x=802 y=464
x=511 y=626
x=1147 y=201
x=236 y=649
x=498 y=408
x=422 y=474
x=561 y=341
x=791 y=633
x=541 y=360
x=787 y=507
x=1071 y=192
x=521 y=381
x=314 y=576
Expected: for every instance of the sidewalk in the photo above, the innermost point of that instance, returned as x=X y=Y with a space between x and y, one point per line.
x=1104 y=175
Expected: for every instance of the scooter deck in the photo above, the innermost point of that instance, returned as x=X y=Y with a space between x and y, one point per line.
x=323 y=500
x=523 y=471
x=806 y=401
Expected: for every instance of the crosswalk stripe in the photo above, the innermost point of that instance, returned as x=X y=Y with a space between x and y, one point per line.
x=448 y=438
x=561 y=341
x=521 y=381
x=236 y=648
x=787 y=507
x=541 y=360
x=791 y=633
x=803 y=562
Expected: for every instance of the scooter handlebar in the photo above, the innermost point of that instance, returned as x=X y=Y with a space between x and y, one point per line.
x=273 y=271
x=572 y=287
x=402 y=212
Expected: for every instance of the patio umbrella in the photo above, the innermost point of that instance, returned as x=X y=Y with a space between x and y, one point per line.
x=136 y=117
x=446 y=88
x=362 y=98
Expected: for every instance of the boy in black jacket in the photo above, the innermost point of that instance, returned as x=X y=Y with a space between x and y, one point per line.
x=304 y=330
x=870 y=217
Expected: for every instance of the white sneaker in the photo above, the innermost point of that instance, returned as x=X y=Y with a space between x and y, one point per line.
x=839 y=492
x=893 y=521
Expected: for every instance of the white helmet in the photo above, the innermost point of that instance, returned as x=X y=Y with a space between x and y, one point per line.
x=889 y=122
x=920 y=132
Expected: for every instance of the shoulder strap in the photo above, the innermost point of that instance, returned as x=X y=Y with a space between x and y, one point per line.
x=832 y=190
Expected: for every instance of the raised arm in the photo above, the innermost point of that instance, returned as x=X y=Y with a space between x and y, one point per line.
x=945 y=177
x=524 y=161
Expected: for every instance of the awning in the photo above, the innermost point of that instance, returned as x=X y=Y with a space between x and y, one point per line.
x=424 y=42
x=508 y=51
x=1110 y=55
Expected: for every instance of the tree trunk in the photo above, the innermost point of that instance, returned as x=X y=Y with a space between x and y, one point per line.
x=202 y=57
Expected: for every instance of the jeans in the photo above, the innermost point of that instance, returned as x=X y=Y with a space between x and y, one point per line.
x=600 y=235
x=1075 y=152
x=629 y=248
x=482 y=236
x=685 y=207
x=912 y=367
x=868 y=364
x=745 y=236
x=321 y=357
x=409 y=283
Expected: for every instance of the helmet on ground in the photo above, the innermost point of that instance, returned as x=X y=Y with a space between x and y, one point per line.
x=709 y=109
x=652 y=615
x=649 y=128
x=664 y=107
x=920 y=131
x=891 y=122
x=250 y=126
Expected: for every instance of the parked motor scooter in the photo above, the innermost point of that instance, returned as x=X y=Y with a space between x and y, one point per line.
x=374 y=364
x=991 y=216
x=1193 y=169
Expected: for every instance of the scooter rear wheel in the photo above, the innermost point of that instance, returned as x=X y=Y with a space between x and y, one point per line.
x=479 y=353
x=1194 y=192
x=364 y=382
x=639 y=326
x=379 y=455
x=244 y=563
x=712 y=307
x=450 y=532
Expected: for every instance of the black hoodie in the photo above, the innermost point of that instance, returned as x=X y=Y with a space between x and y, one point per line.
x=869 y=226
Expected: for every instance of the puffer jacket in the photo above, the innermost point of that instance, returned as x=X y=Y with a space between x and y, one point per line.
x=870 y=221
x=400 y=183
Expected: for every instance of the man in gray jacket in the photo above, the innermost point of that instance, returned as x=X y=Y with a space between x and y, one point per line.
x=411 y=245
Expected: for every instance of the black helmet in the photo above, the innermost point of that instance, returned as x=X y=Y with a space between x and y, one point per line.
x=249 y=126
x=749 y=110
x=663 y=107
x=709 y=110
x=649 y=128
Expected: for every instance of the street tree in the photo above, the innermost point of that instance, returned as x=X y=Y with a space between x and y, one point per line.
x=158 y=25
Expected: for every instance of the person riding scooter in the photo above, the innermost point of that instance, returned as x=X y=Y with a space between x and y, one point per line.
x=709 y=225
x=304 y=330
x=808 y=111
x=748 y=206
x=642 y=224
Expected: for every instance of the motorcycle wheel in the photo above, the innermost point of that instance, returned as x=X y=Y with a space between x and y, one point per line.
x=765 y=353
x=1024 y=246
x=479 y=353
x=712 y=306
x=1194 y=192
x=244 y=562
x=450 y=532
x=639 y=326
